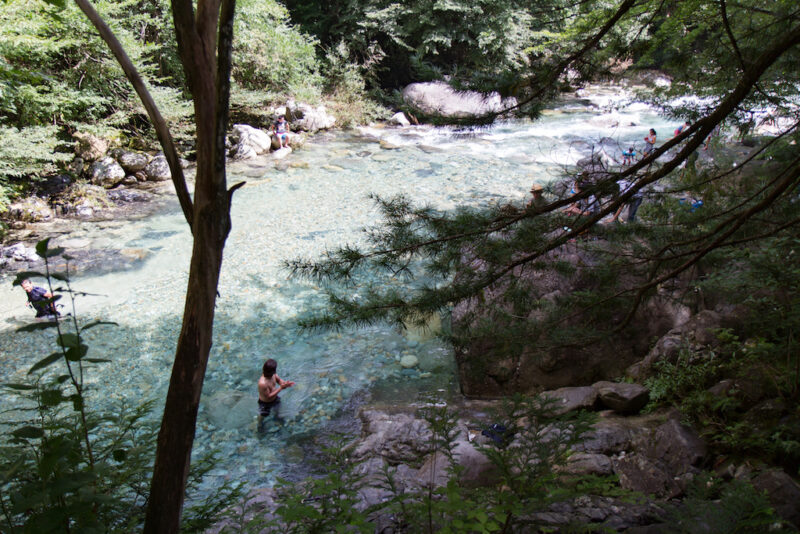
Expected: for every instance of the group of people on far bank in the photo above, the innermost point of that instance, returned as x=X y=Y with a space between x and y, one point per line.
x=591 y=204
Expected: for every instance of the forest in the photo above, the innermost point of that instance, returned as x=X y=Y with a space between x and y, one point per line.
x=208 y=64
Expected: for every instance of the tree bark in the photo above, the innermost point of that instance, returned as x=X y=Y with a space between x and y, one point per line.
x=208 y=72
x=206 y=59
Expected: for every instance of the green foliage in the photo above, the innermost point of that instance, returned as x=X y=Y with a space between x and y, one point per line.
x=269 y=54
x=716 y=506
x=66 y=467
x=756 y=414
x=346 y=86
x=431 y=38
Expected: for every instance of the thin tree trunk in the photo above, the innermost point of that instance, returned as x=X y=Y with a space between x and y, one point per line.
x=209 y=80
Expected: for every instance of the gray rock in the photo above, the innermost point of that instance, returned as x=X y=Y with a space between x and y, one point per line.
x=398 y=119
x=408 y=361
x=570 y=399
x=439 y=99
x=131 y=161
x=783 y=493
x=622 y=397
x=638 y=473
x=158 y=169
x=19 y=252
x=397 y=438
x=588 y=464
x=677 y=447
x=30 y=209
x=307 y=118
x=106 y=172
x=124 y=196
x=249 y=142
x=606 y=437
x=89 y=147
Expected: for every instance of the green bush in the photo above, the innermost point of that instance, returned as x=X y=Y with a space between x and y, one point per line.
x=269 y=54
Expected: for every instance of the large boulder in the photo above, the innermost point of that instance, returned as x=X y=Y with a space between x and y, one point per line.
x=783 y=493
x=106 y=172
x=89 y=147
x=308 y=118
x=249 y=142
x=131 y=161
x=622 y=397
x=439 y=99
x=676 y=446
x=489 y=366
x=397 y=438
x=158 y=169
x=638 y=473
x=570 y=399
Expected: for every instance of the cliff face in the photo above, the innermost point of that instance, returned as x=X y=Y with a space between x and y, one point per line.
x=494 y=365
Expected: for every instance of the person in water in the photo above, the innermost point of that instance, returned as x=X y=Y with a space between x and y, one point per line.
x=281 y=130
x=269 y=385
x=39 y=299
x=649 y=143
x=629 y=157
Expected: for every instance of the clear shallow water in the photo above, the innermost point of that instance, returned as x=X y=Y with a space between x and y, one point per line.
x=318 y=203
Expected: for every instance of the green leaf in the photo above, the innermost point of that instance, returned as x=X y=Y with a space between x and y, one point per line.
x=69 y=339
x=20 y=387
x=42 y=247
x=77 y=402
x=60 y=4
x=64 y=277
x=61 y=379
x=97 y=323
x=37 y=326
x=74 y=354
x=28 y=432
x=97 y=360
x=41 y=364
x=52 y=397
x=119 y=454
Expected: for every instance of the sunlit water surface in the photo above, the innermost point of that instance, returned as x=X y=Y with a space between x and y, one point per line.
x=318 y=203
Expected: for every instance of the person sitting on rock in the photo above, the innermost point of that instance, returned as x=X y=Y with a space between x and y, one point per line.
x=281 y=130
x=40 y=300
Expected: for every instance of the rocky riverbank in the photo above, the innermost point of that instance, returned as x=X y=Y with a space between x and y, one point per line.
x=648 y=462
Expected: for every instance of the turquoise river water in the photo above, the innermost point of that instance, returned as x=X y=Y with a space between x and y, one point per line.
x=317 y=203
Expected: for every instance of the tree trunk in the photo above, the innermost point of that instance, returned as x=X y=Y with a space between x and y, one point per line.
x=209 y=80
x=206 y=59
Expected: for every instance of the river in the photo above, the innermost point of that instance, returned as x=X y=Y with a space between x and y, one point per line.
x=318 y=203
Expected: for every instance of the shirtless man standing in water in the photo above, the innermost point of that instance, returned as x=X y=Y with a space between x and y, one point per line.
x=269 y=385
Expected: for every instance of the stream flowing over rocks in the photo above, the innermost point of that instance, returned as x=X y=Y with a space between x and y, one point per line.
x=133 y=265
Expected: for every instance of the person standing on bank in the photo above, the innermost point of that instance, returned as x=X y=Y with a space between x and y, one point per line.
x=269 y=385
x=633 y=203
x=39 y=299
x=649 y=143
